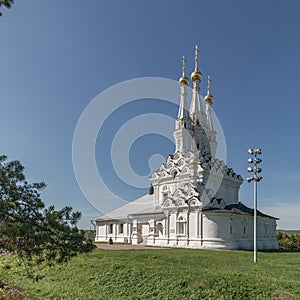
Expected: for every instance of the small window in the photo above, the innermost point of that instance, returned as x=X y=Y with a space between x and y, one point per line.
x=181 y=226
x=184 y=125
x=198 y=146
x=165 y=196
x=121 y=228
x=244 y=230
x=230 y=229
x=110 y=228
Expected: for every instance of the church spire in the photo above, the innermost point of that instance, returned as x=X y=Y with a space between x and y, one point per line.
x=183 y=108
x=196 y=106
x=183 y=123
x=209 y=100
x=183 y=79
x=196 y=75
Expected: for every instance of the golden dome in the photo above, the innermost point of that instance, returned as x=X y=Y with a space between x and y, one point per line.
x=196 y=75
x=209 y=99
x=184 y=80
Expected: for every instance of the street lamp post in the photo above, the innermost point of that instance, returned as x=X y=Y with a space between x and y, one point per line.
x=255 y=160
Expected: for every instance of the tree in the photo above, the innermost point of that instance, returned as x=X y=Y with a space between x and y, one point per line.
x=6 y=3
x=35 y=233
x=288 y=240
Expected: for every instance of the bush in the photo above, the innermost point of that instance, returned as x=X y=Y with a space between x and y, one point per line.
x=288 y=240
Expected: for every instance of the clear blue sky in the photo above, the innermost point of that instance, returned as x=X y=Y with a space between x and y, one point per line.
x=56 y=57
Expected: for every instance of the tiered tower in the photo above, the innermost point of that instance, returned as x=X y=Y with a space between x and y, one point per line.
x=195 y=124
x=193 y=174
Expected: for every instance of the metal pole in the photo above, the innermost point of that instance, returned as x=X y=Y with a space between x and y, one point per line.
x=255 y=220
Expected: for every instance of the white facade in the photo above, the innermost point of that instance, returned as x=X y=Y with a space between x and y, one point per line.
x=193 y=200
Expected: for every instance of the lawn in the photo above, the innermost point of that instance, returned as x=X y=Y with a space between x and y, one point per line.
x=166 y=274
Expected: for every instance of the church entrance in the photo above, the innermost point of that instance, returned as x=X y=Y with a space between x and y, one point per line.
x=142 y=233
x=139 y=233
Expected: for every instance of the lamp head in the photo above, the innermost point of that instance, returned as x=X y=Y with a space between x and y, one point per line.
x=249 y=179
x=258 y=151
x=257 y=160
x=250 y=151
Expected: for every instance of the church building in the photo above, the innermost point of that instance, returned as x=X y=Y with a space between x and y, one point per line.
x=193 y=200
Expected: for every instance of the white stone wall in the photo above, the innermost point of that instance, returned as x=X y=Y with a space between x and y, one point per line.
x=192 y=228
x=103 y=232
x=218 y=231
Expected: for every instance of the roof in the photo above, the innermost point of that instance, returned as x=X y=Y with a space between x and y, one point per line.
x=149 y=211
x=237 y=208
x=144 y=204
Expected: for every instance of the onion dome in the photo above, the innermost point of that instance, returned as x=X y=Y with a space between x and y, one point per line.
x=208 y=98
x=196 y=75
x=184 y=80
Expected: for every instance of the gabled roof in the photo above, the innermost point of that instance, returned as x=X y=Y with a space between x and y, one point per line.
x=237 y=208
x=140 y=205
x=149 y=211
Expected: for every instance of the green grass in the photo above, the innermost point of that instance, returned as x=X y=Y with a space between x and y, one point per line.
x=166 y=274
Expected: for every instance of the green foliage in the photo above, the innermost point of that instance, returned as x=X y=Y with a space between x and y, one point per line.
x=163 y=274
x=288 y=240
x=6 y=3
x=89 y=234
x=35 y=233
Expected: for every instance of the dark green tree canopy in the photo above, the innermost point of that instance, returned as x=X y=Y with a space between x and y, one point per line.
x=28 y=228
x=6 y=3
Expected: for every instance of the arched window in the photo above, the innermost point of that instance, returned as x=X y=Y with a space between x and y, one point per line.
x=231 y=225
x=230 y=229
x=159 y=229
x=245 y=227
x=165 y=193
x=181 y=226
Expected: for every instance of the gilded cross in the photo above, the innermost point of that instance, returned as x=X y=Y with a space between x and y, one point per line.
x=196 y=57
x=208 y=84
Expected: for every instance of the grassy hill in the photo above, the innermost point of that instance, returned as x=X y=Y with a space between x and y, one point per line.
x=166 y=274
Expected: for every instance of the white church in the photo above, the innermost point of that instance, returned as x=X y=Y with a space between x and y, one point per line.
x=193 y=200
